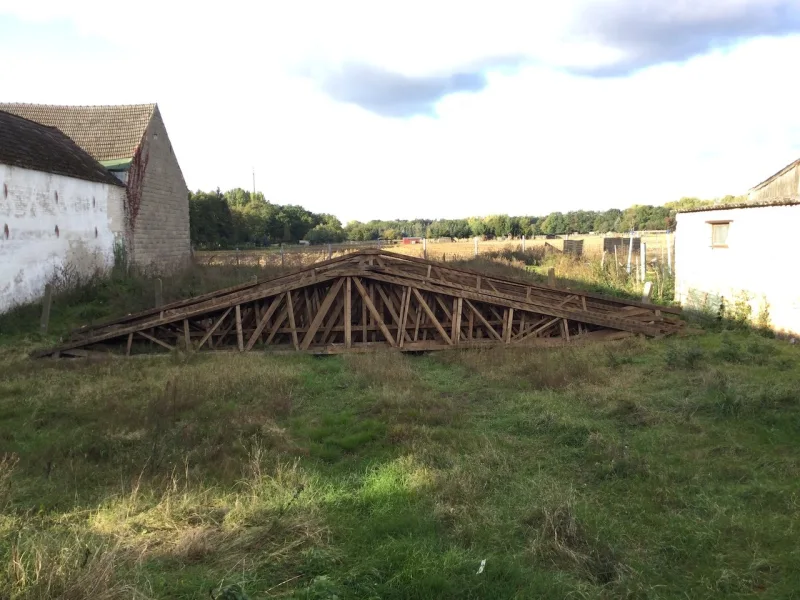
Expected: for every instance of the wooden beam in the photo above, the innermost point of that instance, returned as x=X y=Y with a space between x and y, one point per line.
x=321 y=313
x=483 y=321
x=290 y=313
x=374 y=312
x=457 y=319
x=130 y=343
x=211 y=331
x=348 y=313
x=402 y=334
x=509 y=328
x=187 y=336
x=147 y=336
x=262 y=322
x=431 y=316
x=278 y=322
x=239 y=336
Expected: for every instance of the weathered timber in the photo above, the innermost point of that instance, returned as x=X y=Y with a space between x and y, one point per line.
x=374 y=299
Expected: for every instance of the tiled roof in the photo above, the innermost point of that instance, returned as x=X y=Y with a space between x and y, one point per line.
x=778 y=202
x=105 y=132
x=30 y=145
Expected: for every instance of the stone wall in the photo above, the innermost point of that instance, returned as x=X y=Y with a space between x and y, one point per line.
x=160 y=227
x=53 y=226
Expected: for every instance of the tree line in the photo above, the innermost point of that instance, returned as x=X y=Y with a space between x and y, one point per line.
x=239 y=218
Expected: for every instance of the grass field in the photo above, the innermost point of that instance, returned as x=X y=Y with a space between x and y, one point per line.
x=638 y=469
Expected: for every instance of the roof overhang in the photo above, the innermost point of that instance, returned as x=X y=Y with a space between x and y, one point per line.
x=118 y=164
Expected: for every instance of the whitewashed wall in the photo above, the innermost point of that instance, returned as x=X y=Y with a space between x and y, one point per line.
x=759 y=261
x=89 y=218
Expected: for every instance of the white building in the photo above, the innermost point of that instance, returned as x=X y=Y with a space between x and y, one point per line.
x=60 y=210
x=743 y=255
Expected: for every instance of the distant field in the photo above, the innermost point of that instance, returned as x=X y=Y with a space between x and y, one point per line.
x=297 y=256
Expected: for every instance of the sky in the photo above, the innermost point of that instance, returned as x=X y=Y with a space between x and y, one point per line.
x=435 y=109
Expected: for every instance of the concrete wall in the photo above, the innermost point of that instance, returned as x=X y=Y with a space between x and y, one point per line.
x=89 y=217
x=758 y=262
x=161 y=228
x=784 y=186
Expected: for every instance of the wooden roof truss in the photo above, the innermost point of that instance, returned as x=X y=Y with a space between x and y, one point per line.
x=374 y=299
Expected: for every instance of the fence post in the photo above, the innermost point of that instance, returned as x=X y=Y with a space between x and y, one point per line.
x=551 y=277
x=669 y=253
x=630 y=252
x=523 y=243
x=330 y=252
x=159 y=293
x=643 y=256
x=603 y=261
x=282 y=257
x=648 y=291
x=425 y=248
x=476 y=245
x=47 y=302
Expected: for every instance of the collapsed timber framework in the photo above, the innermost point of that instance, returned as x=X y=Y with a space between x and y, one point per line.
x=375 y=299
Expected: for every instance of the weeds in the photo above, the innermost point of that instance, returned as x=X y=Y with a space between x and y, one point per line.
x=678 y=356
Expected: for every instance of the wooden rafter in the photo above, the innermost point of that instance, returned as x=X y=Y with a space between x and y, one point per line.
x=373 y=299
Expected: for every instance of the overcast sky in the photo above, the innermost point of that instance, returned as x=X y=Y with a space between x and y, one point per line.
x=378 y=109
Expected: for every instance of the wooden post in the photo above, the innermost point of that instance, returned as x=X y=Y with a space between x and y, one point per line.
x=476 y=246
x=643 y=256
x=283 y=263
x=425 y=248
x=603 y=261
x=159 y=293
x=330 y=252
x=239 y=332
x=47 y=302
x=669 y=253
x=648 y=291
x=523 y=243
x=348 y=313
x=551 y=277
x=630 y=252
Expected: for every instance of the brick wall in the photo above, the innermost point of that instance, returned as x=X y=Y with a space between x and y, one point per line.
x=161 y=229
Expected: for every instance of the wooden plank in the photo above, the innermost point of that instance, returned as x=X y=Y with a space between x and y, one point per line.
x=374 y=312
x=483 y=321
x=509 y=327
x=130 y=343
x=262 y=322
x=457 y=319
x=290 y=313
x=431 y=316
x=348 y=313
x=187 y=336
x=147 y=336
x=325 y=306
x=402 y=334
x=565 y=329
x=277 y=327
x=211 y=331
x=239 y=336
x=335 y=314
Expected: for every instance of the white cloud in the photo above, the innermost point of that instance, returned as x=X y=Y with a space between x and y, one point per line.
x=535 y=139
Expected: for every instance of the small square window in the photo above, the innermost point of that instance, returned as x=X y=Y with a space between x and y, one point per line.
x=719 y=234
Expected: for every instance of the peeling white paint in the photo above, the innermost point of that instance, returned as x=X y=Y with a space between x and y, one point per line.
x=89 y=217
x=758 y=262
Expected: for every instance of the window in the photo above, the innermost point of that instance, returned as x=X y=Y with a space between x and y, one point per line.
x=719 y=233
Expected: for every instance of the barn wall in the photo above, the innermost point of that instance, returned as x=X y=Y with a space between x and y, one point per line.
x=32 y=252
x=784 y=186
x=749 y=266
x=161 y=225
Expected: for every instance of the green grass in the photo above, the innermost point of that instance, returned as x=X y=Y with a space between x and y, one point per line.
x=638 y=469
